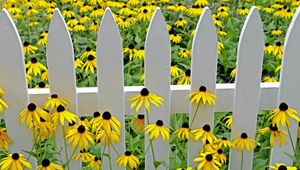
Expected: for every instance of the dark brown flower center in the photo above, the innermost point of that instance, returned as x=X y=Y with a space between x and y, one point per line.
x=15 y=156
x=188 y=73
x=60 y=108
x=127 y=153
x=159 y=123
x=26 y=44
x=81 y=129
x=91 y=57
x=206 y=128
x=283 y=106
x=45 y=162
x=278 y=44
x=142 y=117
x=144 y=92
x=106 y=115
x=273 y=128
x=33 y=60
x=224 y=138
x=42 y=84
x=96 y=114
x=209 y=157
x=244 y=136
x=220 y=151
x=202 y=88
x=145 y=11
x=282 y=167
x=54 y=96
x=31 y=107
x=185 y=125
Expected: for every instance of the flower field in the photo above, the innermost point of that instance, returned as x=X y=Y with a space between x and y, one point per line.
x=91 y=135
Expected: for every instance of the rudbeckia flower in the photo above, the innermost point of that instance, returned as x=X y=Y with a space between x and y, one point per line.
x=269 y=79
x=220 y=155
x=29 y=49
x=54 y=101
x=228 y=121
x=34 y=67
x=78 y=63
x=139 y=54
x=83 y=155
x=275 y=133
x=130 y=50
x=181 y=22
x=84 y=19
x=145 y=15
x=90 y=64
x=80 y=136
x=128 y=159
x=225 y=8
x=243 y=11
x=145 y=98
x=123 y=23
x=5 y=140
x=222 y=13
x=106 y=138
x=175 y=71
x=282 y=115
x=45 y=128
x=221 y=32
x=202 y=2
x=184 y=53
x=47 y=165
x=83 y=121
x=95 y=163
x=244 y=142
x=224 y=142
x=32 y=114
x=184 y=132
x=204 y=133
x=207 y=161
x=97 y=12
x=67 y=13
x=154 y=130
x=72 y=22
x=277 y=32
x=217 y=21
x=268 y=9
x=96 y=117
x=107 y=122
x=138 y=122
x=175 y=38
x=42 y=41
x=268 y=49
x=281 y=166
x=71 y=125
x=185 y=79
x=14 y=161
x=177 y=8
x=61 y=114
x=195 y=11
x=79 y=28
x=278 y=50
x=88 y=52
x=85 y=9
x=202 y=96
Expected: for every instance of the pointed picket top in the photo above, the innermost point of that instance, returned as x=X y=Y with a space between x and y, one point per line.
x=157 y=80
x=13 y=82
x=60 y=61
x=247 y=86
x=289 y=87
x=110 y=77
x=204 y=70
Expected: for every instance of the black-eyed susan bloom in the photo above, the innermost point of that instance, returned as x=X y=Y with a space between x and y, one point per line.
x=80 y=136
x=207 y=161
x=28 y=48
x=5 y=140
x=243 y=11
x=14 y=161
x=204 y=133
x=202 y=96
x=62 y=114
x=83 y=155
x=277 y=32
x=281 y=166
x=107 y=122
x=95 y=163
x=185 y=78
x=224 y=142
x=145 y=15
x=34 y=67
x=282 y=115
x=107 y=138
x=184 y=53
x=175 y=38
x=145 y=98
x=244 y=142
x=88 y=52
x=181 y=22
x=228 y=121
x=175 y=71
x=157 y=129
x=276 y=133
x=45 y=129
x=96 y=117
x=138 y=122
x=90 y=65
x=184 y=132
x=32 y=114
x=128 y=160
x=220 y=155
x=54 y=101
x=47 y=165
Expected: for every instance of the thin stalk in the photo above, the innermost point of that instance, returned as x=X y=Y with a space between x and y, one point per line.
x=69 y=160
x=66 y=148
x=289 y=132
x=114 y=149
x=109 y=157
x=151 y=145
x=194 y=115
x=33 y=145
x=242 y=161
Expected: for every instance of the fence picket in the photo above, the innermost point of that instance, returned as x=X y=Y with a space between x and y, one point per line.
x=204 y=71
x=110 y=77
x=60 y=61
x=247 y=86
x=13 y=82
x=289 y=87
x=157 y=80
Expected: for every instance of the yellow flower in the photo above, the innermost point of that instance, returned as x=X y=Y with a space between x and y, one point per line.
x=14 y=161
x=202 y=96
x=268 y=9
x=224 y=142
x=184 y=132
x=5 y=140
x=278 y=50
x=72 y=22
x=130 y=50
x=34 y=67
x=90 y=64
x=67 y=13
x=29 y=49
x=175 y=71
x=84 y=19
x=154 y=130
x=96 y=117
x=282 y=115
x=42 y=41
x=225 y=8
x=202 y=2
x=207 y=161
x=78 y=63
x=54 y=101
x=107 y=138
x=204 y=133
x=107 y=122
x=175 y=38
x=222 y=13
x=80 y=136
x=228 y=121
x=97 y=12
x=94 y=26
x=138 y=122
x=128 y=159
x=139 y=53
x=145 y=98
x=184 y=53
x=32 y=115
x=95 y=163
x=275 y=133
x=243 y=11
x=268 y=49
x=244 y=142
x=3 y=104
x=47 y=165
x=217 y=21
x=181 y=22
x=79 y=28
x=277 y=32
x=85 y=8
x=123 y=22
x=195 y=11
x=88 y=52
x=281 y=166
x=61 y=114
x=269 y=79
x=220 y=155
x=45 y=128
x=177 y=8
x=185 y=79
x=83 y=155
x=145 y=15
x=221 y=32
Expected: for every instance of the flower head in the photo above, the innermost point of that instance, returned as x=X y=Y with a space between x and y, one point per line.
x=244 y=142
x=202 y=96
x=95 y=163
x=128 y=159
x=184 y=132
x=282 y=115
x=281 y=166
x=61 y=114
x=13 y=161
x=54 y=101
x=154 y=130
x=46 y=165
x=4 y=139
x=204 y=133
x=32 y=114
x=80 y=136
x=207 y=161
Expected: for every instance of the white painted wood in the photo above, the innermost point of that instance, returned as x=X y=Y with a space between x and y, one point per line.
x=289 y=87
x=204 y=71
x=157 y=80
x=60 y=61
x=248 y=78
x=110 y=78
x=13 y=82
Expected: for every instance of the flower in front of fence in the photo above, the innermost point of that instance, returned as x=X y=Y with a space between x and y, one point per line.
x=54 y=101
x=138 y=122
x=47 y=165
x=282 y=115
x=207 y=161
x=157 y=129
x=45 y=129
x=145 y=98
x=224 y=142
x=108 y=123
x=83 y=155
x=276 y=133
x=220 y=155
x=95 y=163
x=204 y=133
x=62 y=114
x=244 y=142
x=3 y=104
x=14 y=161
x=128 y=160
x=5 y=140
x=32 y=115
x=202 y=96
x=34 y=67
x=80 y=136
x=184 y=132
x=281 y=166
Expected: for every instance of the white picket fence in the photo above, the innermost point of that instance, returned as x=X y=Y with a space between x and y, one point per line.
x=244 y=98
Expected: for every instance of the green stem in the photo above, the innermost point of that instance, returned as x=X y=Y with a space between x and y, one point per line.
x=242 y=161
x=69 y=160
x=289 y=132
x=151 y=145
x=33 y=145
x=194 y=115
x=66 y=147
x=109 y=157
x=114 y=149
